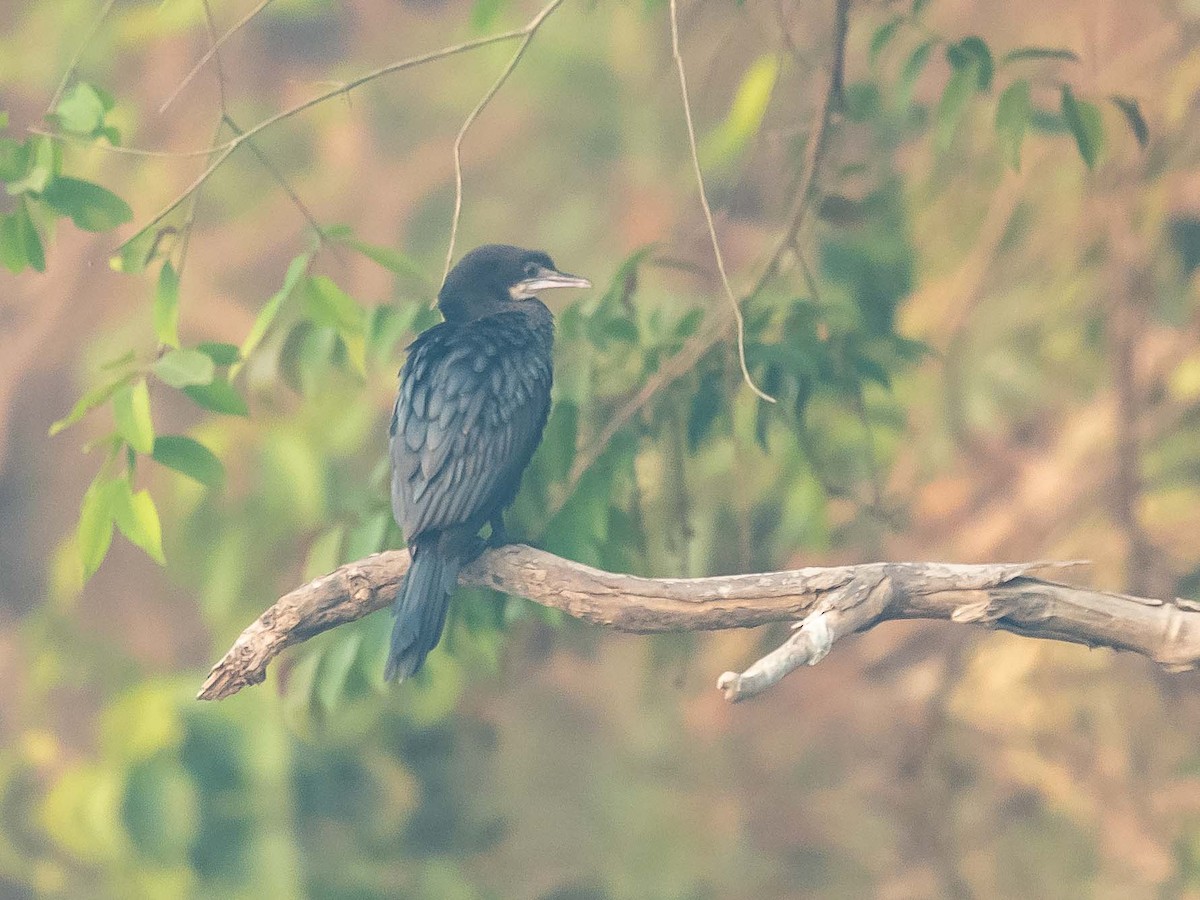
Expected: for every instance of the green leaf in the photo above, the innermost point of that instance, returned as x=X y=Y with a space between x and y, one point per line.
x=90 y=206
x=30 y=238
x=219 y=396
x=14 y=159
x=270 y=309
x=12 y=248
x=262 y=323
x=191 y=458
x=1039 y=53
x=303 y=352
x=623 y=331
x=220 y=354
x=562 y=432
x=368 y=536
x=131 y=412
x=913 y=67
x=727 y=142
x=842 y=211
x=166 y=306
x=706 y=404
x=3 y=118
x=385 y=326
x=355 y=346
x=336 y=664
x=753 y=94
x=953 y=104
x=136 y=253
x=94 y=532
x=20 y=243
x=395 y=262
x=81 y=110
x=973 y=51
x=107 y=100
x=1012 y=121
x=688 y=324
x=328 y=304
x=324 y=553
x=484 y=14
x=299 y=704
x=88 y=402
x=883 y=36
x=871 y=370
x=137 y=517
x=45 y=161
x=1132 y=112
x=184 y=368
x=1083 y=119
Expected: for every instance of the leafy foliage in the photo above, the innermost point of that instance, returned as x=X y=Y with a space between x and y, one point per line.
x=973 y=69
x=331 y=783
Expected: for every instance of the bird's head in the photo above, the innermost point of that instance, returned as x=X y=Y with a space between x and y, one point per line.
x=495 y=275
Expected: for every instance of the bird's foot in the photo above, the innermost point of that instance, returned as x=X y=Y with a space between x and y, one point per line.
x=499 y=536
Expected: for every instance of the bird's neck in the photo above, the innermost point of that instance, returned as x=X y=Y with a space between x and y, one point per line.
x=461 y=309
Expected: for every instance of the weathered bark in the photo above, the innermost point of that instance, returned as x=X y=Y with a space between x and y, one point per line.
x=825 y=603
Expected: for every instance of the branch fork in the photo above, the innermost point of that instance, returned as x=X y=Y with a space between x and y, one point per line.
x=825 y=605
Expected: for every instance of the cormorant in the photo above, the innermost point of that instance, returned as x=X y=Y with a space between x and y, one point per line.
x=474 y=397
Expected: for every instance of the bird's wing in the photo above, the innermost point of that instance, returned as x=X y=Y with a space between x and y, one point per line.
x=470 y=412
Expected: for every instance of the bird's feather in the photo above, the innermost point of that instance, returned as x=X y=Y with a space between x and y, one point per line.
x=470 y=412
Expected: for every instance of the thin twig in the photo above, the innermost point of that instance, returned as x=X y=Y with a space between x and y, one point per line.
x=190 y=218
x=530 y=30
x=185 y=230
x=139 y=152
x=227 y=120
x=211 y=24
x=283 y=183
x=739 y=321
x=818 y=145
x=66 y=78
x=341 y=90
x=224 y=151
x=212 y=52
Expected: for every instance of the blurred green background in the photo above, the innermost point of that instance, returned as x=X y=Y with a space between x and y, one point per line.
x=984 y=346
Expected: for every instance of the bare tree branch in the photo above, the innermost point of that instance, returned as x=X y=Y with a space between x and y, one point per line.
x=826 y=603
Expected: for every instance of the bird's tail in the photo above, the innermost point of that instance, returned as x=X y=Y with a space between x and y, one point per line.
x=420 y=607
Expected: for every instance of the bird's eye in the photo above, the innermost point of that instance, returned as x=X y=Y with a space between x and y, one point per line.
x=531 y=269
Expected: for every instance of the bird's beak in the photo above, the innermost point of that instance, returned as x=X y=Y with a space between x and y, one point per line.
x=544 y=280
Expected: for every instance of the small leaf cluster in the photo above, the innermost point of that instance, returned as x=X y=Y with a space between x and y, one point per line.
x=39 y=192
x=1033 y=98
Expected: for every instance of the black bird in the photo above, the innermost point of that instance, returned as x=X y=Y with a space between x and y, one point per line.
x=474 y=397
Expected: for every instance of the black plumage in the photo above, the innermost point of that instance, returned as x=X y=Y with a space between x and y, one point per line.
x=473 y=401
